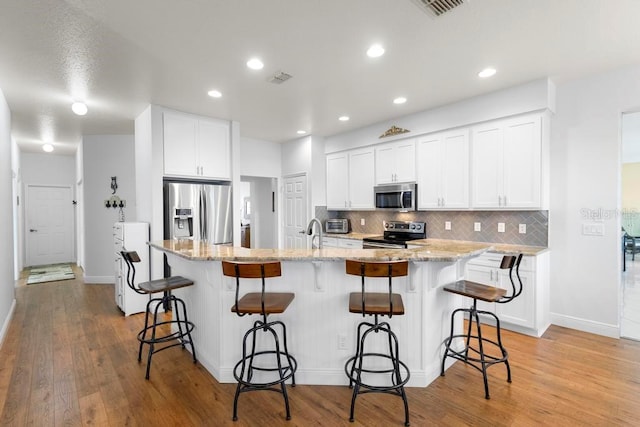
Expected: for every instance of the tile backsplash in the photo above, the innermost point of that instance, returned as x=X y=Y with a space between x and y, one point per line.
x=462 y=224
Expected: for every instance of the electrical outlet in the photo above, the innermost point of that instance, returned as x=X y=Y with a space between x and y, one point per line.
x=522 y=228
x=447 y=225
x=501 y=227
x=342 y=341
x=361 y=221
x=477 y=226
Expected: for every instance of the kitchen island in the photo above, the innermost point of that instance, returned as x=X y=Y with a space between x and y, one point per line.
x=321 y=331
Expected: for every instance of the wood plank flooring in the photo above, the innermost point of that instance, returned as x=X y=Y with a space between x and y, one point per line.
x=69 y=359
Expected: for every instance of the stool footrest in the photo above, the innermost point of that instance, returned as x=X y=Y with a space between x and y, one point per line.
x=356 y=376
x=187 y=328
x=288 y=370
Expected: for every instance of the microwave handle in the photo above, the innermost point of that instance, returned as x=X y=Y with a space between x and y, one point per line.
x=402 y=199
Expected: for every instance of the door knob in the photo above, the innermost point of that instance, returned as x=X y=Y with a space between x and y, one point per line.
x=31 y=230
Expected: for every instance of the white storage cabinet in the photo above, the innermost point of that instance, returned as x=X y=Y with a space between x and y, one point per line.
x=350 y=180
x=131 y=236
x=196 y=147
x=339 y=242
x=529 y=312
x=443 y=170
x=395 y=162
x=506 y=164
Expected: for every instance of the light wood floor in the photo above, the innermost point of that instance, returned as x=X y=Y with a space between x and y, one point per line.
x=69 y=358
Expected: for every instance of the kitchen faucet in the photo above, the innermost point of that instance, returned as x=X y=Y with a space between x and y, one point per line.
x=310 y=231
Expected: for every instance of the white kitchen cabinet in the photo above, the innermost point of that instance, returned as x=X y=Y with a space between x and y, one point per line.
x=529 y=312
x=339 y=242
x=350 y=180
x=196 y=147
x=395 y=162
x=130 y=236
x=506 y=164
x=443 y=170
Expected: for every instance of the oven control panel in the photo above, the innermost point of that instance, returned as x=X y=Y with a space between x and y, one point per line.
x=404 y=226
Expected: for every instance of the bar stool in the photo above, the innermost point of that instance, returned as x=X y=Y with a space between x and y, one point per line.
x=377 y=304
x=473 y=353
x=158 y=331
x=264 y=304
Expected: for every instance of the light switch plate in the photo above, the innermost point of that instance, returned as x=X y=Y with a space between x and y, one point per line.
x=477 y=226
x=522 y=228
x=361 y=221
x=501 y=227
x=593 y=229
x=447 y=225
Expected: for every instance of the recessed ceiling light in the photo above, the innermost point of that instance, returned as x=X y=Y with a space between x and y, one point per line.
x=375 y=51
x=301 y=132
x=47 y=147
x=255 y=64
x=343 y=118
x=79 y=108
x=487 y=72
x=214 y=93
x=400 y=100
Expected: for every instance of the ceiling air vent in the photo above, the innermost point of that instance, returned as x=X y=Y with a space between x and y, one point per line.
x=438 y=7
x=280 y=77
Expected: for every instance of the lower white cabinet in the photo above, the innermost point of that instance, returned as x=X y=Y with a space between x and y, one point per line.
x=529 y=312
x=339 y=242
x=131 y=236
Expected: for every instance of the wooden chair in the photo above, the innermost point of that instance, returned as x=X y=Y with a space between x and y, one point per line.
x=377 y=304
x=176 y=331
x=473 y=353
x=261 y=303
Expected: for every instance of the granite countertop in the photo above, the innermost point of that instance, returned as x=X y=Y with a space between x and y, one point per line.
x=444 y=252
x=501 y=248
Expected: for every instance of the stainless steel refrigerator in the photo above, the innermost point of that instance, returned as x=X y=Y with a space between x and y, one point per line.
x=198 y=211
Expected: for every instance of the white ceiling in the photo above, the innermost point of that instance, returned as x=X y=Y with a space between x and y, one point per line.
x=121 y=55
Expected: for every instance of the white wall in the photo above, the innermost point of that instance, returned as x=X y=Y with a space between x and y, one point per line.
x=260 y=158
x=585 y=178
x=7 y=290
x=105 y=156
x=534 y=96
x=17 y=201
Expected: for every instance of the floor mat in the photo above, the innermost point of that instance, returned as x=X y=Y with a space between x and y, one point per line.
x=50 y=273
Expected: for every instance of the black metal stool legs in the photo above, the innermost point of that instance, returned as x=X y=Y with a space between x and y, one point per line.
x=355 y=367
x=244 y=369
x=472 y=356
x=181 y=322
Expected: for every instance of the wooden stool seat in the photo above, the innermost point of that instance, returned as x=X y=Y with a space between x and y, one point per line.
x=166 y=284
x=274 y=303
x=376 y=303
x=276 y=361
x=473 y=352
x=366 y=363
x=476 y=290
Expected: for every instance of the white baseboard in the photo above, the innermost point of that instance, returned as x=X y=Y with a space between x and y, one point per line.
x=7 y=321
x=99 y=279
x=584 y=325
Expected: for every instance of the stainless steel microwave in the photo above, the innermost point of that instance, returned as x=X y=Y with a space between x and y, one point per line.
x=397 y=197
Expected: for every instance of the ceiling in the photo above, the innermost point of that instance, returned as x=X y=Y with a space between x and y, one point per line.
x=121 y=55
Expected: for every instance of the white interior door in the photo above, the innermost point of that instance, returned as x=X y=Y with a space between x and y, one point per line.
x=295 y=211
x=49 y=225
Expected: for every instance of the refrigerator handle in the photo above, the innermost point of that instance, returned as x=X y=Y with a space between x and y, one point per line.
x=201 y=212
x=205 y=217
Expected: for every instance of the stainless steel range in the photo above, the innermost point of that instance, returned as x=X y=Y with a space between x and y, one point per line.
x=396 y=235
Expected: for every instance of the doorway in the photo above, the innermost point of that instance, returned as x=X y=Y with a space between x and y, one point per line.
x=258 y=213
x=48 y=225
x=295 y=211
x=630 y=195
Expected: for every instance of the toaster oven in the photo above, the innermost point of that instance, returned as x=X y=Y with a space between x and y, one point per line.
x=337 y=225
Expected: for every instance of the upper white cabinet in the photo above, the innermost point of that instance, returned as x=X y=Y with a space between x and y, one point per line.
x=506 y=164
x=395 y=162
x=196 y=147
x=350 y=179
x=443 y=170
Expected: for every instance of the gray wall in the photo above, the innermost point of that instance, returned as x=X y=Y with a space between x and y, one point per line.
x=105 y=156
